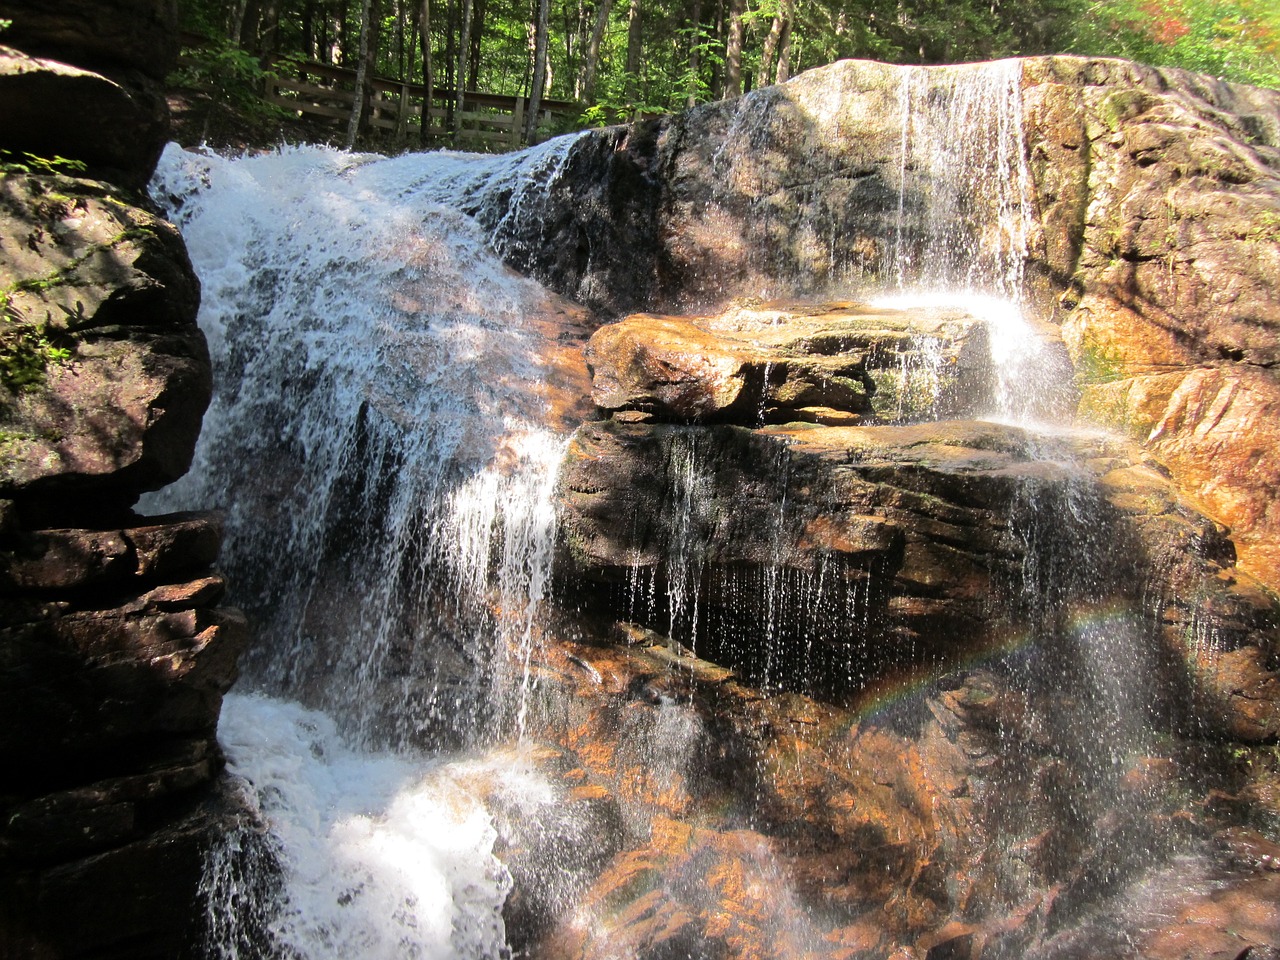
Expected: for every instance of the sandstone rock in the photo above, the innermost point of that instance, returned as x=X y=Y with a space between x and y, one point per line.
x=755 y=362
x=1173 y=180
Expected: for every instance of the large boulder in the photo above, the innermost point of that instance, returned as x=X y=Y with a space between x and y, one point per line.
x=88 y=83
x=1166 y=188
x=1134 y=207
x=116 y=409
x=139 y=35
x=776 y=362
x=115 y=132
x=821 y=557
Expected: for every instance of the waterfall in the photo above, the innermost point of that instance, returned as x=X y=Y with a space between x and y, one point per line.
x=385 y=435
x=963 y=226
x=384 y=447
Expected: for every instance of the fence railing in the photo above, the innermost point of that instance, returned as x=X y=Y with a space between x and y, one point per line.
x=486 y=121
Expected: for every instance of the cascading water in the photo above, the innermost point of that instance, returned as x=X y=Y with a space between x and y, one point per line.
x=380 y=442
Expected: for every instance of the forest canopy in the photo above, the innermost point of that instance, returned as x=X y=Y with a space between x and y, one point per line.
x=622 y=58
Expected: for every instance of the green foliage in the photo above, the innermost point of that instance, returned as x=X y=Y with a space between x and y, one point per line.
x=5 y=25
x=27 y=350
x=682 y=59
x=1234 y=39
x=1097 y=365
x=229 y=74
x=23 y=162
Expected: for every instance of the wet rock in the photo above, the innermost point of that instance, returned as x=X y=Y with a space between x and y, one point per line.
x=757 y=362
x=1152 y=195
x=776 y=825
x=134 y=898
x=906 y=530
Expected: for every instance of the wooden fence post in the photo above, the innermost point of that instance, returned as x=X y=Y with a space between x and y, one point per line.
x=517 y=123
x=402 y=115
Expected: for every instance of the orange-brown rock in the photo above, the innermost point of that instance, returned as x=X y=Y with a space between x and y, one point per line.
x=772 y=362
x=1154 y=198
x=940 y=819
x=842 y=551
x=1173 y=320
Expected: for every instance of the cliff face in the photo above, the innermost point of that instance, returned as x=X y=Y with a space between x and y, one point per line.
x=838 y=641
x=114 y=652
x=1137 y=212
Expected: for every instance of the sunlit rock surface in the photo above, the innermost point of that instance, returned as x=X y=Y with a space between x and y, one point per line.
x=760 y=362
x=1153 y=197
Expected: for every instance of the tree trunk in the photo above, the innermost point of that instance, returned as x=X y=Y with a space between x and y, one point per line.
x=695 y=47
x=733 y=50
x=541 y=28
x=464 y=48
x=362 y=74
x=635 y=44
x=428 y=78
x=246 y=30
x=269 y=32
x=310 y=47
x=591 y=62
x=787 y=13
x=476 y=37
x=764 y=73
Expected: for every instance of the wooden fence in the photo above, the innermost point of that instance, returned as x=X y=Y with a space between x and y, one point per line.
x=487 y=121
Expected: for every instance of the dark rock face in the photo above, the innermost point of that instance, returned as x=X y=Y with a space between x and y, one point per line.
x=99 y=34
x=114 y=651
x=108 y=110
x=117 y=132
x=849 y=553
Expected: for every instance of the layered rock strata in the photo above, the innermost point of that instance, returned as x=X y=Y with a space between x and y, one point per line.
x=758 y=362
x=1133 y=206
x=114 y=649
x=886 y=689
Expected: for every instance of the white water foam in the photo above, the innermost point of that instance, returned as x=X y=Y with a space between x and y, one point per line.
x=384 y=857
x=375 y=361
x=379 y=441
